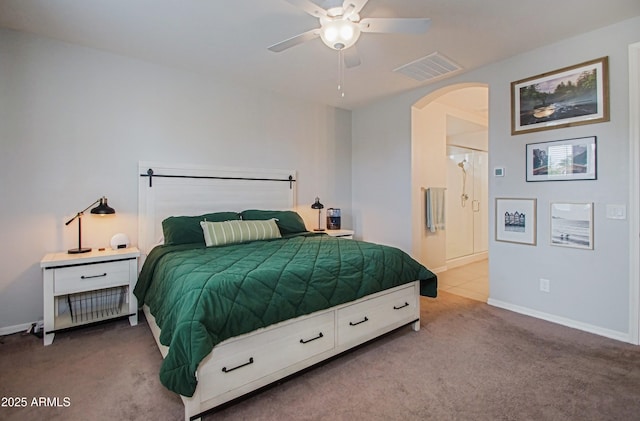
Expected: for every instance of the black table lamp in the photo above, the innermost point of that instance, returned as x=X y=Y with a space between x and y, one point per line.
x=319 y=206
x=102 y=209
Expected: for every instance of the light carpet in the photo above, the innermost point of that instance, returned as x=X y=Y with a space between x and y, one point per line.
x=470 y=361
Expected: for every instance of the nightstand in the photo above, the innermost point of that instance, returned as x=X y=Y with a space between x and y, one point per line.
x=86 y=288
x=341 y=233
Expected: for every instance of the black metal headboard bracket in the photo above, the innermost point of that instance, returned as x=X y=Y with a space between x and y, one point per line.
x=151 y=174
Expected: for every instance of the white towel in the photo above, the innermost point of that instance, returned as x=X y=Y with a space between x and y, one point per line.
x=434 y=207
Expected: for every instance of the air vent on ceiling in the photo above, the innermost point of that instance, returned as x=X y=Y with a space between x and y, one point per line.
x=433 y=66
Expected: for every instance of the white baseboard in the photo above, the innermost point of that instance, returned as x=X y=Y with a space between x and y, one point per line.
x=439 y=269
x=465 y=260
x=597 y=330
x=461 y=261
x=10 y=330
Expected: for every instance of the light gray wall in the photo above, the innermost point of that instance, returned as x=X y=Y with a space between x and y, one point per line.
x=382 y=173
x=589 y=289
x=74 y=122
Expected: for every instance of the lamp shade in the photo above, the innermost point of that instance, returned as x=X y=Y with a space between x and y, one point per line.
x=103 y=208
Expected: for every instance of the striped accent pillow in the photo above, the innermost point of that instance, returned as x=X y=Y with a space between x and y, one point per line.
x=231 y=232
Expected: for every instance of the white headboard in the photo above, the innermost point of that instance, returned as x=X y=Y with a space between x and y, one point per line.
x=175 y=189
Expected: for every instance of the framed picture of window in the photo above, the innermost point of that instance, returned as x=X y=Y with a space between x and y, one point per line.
x=516 y=220
x=562 y=160
x=565 y=97
x=572 y=225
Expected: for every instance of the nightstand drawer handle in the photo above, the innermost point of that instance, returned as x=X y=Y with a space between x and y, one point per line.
x=302 y=341
x=94 y=276
x=228 y=370
x=366 y=319
x=406 y=304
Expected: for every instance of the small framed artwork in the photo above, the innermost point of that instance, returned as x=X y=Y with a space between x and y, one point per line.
x=516 y=220
x=572 y=225
x=562 y=98
x=562 y=160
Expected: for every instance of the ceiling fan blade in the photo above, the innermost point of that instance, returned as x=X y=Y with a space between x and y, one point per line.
x=309 y=7
x=351 y=57
x=395 y=25
x=298 y=39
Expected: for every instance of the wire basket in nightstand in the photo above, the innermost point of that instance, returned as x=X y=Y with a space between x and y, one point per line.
x=98 y=304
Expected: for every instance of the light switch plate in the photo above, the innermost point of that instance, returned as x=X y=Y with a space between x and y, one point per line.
x=616 y=212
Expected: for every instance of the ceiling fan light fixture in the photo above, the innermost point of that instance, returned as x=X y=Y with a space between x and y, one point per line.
x=339 y=34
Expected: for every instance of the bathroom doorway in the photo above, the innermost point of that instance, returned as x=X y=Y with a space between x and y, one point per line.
x=450 y=150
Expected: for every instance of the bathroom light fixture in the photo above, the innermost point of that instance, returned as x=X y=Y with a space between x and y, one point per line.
x=319 y=206
x=102 y=209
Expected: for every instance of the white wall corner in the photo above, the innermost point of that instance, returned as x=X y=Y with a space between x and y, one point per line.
x=634 y=193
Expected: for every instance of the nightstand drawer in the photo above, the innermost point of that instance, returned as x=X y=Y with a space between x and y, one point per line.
x=74 y=279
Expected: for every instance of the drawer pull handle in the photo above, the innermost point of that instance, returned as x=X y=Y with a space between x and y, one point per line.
x=228 y=370
x=94 y=276
x=302 y=341
x=366 y=319
x=406 y=304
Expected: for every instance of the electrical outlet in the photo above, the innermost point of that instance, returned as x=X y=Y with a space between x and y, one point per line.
x=545 y=285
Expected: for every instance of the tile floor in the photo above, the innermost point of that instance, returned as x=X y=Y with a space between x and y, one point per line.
x=471 y=281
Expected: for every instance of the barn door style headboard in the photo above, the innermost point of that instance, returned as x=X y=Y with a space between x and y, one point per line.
x=176 y=189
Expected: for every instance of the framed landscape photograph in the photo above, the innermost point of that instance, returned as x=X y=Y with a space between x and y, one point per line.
x=572 y=225
x=562 y=98
x=562 y=160
x=516 y=220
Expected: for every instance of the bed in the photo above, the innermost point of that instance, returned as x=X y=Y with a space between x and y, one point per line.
x=234 y=314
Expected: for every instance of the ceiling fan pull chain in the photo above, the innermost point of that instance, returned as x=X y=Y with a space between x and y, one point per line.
x=340 y=74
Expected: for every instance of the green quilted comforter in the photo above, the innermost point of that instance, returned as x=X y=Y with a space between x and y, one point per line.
x=201 y=296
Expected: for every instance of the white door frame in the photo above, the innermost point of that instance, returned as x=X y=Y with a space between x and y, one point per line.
x=634 y=193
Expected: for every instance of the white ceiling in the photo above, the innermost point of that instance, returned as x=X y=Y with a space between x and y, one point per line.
x=229 y=39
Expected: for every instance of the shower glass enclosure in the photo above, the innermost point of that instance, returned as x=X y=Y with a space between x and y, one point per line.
x=466 y=208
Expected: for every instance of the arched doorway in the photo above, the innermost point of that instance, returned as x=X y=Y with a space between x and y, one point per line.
x=450 y=155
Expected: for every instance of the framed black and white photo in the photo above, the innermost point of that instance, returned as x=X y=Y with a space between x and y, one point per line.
x=516 y=220
x=565 y=97
x=572 y=225
x=562 y=160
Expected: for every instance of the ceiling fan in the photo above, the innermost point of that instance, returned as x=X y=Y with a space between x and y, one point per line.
x=340 y=26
